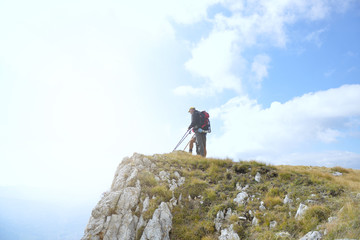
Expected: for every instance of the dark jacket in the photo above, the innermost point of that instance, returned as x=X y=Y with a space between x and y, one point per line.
x=195 y=120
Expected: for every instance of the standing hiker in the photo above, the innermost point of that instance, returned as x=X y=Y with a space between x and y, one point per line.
x=200 y=125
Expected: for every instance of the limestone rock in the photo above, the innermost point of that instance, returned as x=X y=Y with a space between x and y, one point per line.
x=255 y=221
x=262 y=207
x=240 y=198
x=258 y=177
x=283 y=234
x=146 y=204
x=273 y=224
x=229 y=234
x=337 y=174
x=164 y=175
x=219 y=220
x=301 y=211
x=313 y=235
x=159 y=226
x=287 y=200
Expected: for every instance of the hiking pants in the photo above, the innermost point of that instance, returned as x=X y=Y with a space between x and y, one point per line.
x=201 y=142
x=191 y=143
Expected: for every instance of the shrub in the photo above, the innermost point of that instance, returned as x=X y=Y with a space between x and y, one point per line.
x=273 y=192
x=161 y=192
x=340 y=169
x=241 y=169
x=147 y=179
x=314 y=216
x=209 y=196
x=270 y=202
x=285 y=176
x=194 y=187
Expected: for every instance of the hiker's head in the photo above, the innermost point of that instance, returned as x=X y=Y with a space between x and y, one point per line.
x=191 y=110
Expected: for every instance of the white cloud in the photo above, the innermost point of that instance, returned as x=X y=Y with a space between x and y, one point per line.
x=261 y=22
x=315 y=37
x=319 y=117
x=326 y=158
x=213 y=60
x=259 y=67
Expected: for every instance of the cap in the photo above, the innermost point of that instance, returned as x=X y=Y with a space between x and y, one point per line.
x=191 y=108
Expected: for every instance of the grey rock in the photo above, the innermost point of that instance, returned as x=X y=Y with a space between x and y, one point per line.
x=229 y=234
x=337 y=174
x=331 y=219
x=262 y=207
x=258 y=177
x=273 y=224
x=283 y=234
x=313 y=235
x=164 y=176
x=301 y=211
x=128 y=199
x=240 y=198
x=287 y=200
x=146 y=204
x=255 y=221
x=219 y=220
x=159 y=226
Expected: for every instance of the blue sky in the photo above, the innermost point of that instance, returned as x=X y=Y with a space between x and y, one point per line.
x=85 y=83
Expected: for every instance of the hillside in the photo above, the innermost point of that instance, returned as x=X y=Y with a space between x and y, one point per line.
x=180 y=196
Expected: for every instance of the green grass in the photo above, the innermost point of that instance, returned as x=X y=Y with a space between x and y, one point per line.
x=215 y=180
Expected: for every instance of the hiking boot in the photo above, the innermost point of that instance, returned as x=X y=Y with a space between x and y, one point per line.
x=190 y=150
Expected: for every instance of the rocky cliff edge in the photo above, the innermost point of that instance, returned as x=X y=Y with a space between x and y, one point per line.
x=180 y=196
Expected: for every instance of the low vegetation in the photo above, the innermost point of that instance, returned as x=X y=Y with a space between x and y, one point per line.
x=211 y=185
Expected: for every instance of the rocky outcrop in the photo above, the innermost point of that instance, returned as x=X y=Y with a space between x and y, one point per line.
x=114 y=218
x=159 y=226
x=174 y=196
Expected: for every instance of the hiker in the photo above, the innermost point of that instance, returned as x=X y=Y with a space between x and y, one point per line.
x=200 y=134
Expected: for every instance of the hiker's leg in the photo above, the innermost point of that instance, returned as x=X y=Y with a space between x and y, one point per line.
x=205 y=145
x=200 y=141
x=191 y=144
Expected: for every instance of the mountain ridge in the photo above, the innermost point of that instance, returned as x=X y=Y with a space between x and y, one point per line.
x=181 y=196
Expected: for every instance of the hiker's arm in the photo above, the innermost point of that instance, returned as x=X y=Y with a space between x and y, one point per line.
x=193 y=121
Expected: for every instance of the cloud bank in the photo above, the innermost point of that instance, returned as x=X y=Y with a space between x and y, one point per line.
x=322 y=117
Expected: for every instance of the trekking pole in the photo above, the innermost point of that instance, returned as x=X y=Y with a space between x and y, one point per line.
x=187 y=144
x=182 y=139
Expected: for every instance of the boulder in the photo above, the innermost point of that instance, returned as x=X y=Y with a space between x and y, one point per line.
x=287 y=200
x=283 y=234
x=301 y=211
x=159 y=226
x=262 y=207
x=219 y=220
x=240 y=198
x=258 y=177
x=273 y=224
x=255 y=221
x=313 y=235
x=229 y=234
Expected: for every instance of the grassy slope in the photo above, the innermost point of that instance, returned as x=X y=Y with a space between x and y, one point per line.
x=211 y=183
